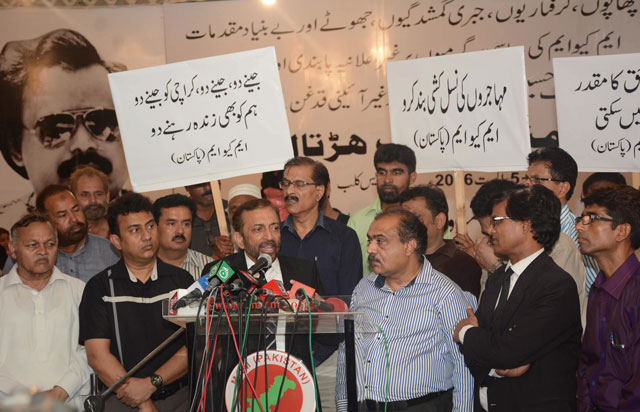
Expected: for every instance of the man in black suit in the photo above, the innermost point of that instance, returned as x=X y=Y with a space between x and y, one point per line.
x=256 y=226
x=523 y=343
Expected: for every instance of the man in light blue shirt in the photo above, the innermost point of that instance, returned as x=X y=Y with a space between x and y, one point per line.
x=556 y=170
x=415 y=309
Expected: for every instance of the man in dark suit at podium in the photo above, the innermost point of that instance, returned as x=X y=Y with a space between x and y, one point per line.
x=256 y=226
x=522 y=344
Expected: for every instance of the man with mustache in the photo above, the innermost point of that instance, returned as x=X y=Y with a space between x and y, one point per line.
x=256 y=225
x=39 y=319
x=395 y=171
x=80 y=254
x=121 y=315
x=91 y=187
x=307 y=234
x=58 y=112
x=174 y=215
x=412 y=361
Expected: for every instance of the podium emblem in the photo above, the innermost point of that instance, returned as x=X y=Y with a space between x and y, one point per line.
x=294 y=392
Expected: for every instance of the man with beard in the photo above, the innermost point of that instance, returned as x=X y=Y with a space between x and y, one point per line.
x=206 y=236
x=57 y=110
x=256 y=226
x=39 y=319
x=174 y=216
x=91 y=188
x=80 y=254
x=395 y=171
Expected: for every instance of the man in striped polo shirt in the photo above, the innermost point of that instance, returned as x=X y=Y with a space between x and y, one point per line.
x=412 y=364
x=174 y=216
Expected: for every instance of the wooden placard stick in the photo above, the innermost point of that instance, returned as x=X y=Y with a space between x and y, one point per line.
x=219 y=207
x=635 y=180
x=461 y=219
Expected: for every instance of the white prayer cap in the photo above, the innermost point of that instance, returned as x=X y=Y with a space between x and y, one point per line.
x=244 y=189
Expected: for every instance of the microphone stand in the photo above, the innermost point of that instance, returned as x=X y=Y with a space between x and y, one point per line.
x=95 y=403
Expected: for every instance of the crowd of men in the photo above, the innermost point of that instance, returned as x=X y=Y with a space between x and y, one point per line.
x=540 y=313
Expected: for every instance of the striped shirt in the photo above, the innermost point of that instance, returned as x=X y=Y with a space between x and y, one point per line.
x=568 y=226
x=195 y=262
x=418 y=321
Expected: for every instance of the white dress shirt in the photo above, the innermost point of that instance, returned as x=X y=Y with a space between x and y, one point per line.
x=39 y=337
x=272 y=273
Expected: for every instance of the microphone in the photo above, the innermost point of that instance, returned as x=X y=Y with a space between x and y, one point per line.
x=221 y=272
x=264 y=262
x=194 y=292
x=327 y=305
x=274 y=288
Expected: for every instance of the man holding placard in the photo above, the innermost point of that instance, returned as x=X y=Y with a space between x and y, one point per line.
x=395 y=171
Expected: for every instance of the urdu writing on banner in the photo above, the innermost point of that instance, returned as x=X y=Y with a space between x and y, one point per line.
x=207 y=119
x=462 y=111
x=598 y=107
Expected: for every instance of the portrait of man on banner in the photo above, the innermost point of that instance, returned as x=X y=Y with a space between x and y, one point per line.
x=56 y=111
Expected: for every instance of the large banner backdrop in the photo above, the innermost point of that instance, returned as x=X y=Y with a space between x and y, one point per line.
x=332 y=59
x=332 y=56
x=55 y=94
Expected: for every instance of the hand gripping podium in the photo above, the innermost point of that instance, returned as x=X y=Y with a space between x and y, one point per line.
x=276 y=369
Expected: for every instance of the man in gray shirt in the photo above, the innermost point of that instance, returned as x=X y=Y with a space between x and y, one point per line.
x=80 y=254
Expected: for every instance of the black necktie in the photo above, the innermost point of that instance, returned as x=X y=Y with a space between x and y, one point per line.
x=504 y=294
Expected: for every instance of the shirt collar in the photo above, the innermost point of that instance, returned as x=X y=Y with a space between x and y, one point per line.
x=320 y=222
x=448 y=249
x=375 y=208
x=80 y=250
x=424 y=275
x=524 y=263
x=189 y=259
x=617 y=282
x=14 y=279
x=274 y=271
x=154 y=272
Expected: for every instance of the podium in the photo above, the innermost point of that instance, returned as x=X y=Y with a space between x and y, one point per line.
x=268 y=333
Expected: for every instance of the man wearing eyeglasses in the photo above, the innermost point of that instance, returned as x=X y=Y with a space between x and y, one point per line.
x=308 y=234
x=556 y=170
x=609 y=371
x=395 y=166
x=57 y=111
x=522 y=344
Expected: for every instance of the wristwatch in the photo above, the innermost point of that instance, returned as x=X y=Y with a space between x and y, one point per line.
x=156 y=380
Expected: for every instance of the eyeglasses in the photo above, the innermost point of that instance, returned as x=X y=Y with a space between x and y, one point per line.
x=56 y=129
x=495 y=220
x=537 y=180
x=589 y=218
x=299 y=184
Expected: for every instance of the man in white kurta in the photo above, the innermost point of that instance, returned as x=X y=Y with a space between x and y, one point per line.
x=39 y=320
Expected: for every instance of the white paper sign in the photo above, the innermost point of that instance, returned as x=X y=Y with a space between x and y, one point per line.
x=200 y=120
x=462 y=112
x=598 y=105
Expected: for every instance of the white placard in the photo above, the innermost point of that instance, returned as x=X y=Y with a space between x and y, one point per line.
x=598 y=107
x=200 y=120
x=463 y=111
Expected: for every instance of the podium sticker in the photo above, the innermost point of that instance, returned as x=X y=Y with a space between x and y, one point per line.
x=294 y=392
